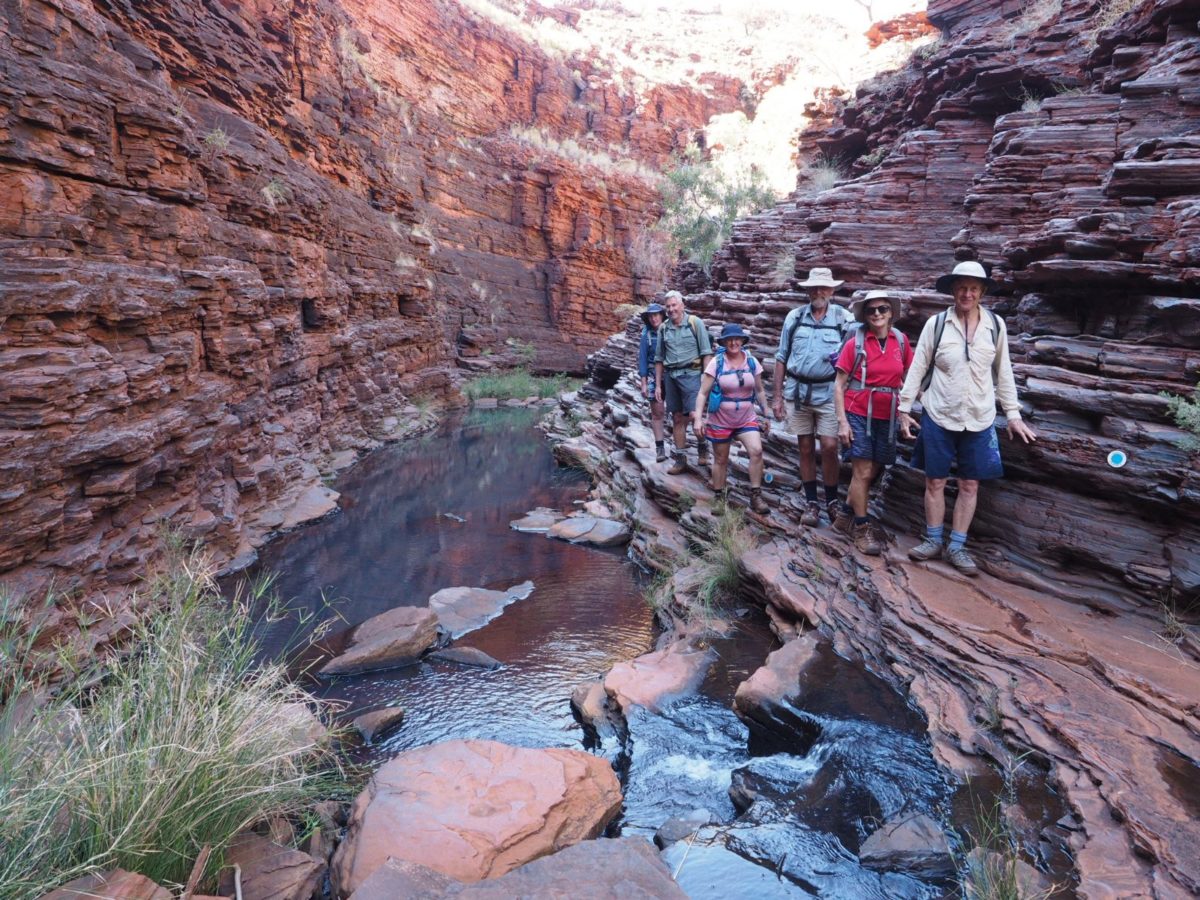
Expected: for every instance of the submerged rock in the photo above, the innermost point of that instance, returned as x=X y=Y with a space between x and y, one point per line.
x=590 y=870
x=913 y=844
x=475 y=809
x=765 y=701
x=466 y=656
x=680 y=827
x=397 y=637
x=537 y=521
x=591 y=530
x=371 y=725
x=463 y=609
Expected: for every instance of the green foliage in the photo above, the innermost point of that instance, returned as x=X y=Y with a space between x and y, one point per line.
x=524 y=349
x=144 y=758
x=823 y=174
x=701 y=203
x=660 y=592
x=1186 y=412
x=720 y=572
x=518 y=384
x=216 y=141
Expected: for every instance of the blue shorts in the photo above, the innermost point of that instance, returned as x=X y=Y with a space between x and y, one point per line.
x=878 y=443
x=977 y=453
x=680 y=389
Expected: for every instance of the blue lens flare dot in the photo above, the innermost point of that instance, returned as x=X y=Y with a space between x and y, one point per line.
x=1117 y=458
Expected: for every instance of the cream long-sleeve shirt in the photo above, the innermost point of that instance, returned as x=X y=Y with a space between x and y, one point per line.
x=962 y=395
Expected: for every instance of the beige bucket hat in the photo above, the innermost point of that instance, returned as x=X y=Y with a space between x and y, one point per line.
x=821 y=278
x=859 y=307
x=968 y=269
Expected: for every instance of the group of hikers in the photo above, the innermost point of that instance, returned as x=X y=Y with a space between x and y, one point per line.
x=844 y=378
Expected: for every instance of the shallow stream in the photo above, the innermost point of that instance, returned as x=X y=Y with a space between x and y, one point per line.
x=435 y=513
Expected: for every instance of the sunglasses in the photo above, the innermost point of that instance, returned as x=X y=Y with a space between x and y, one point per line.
x=878 y=310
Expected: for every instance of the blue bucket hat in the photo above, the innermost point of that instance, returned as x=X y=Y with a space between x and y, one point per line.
x=651 y=310
x=732 y=330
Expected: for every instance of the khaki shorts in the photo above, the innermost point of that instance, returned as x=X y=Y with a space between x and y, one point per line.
x=820 y=420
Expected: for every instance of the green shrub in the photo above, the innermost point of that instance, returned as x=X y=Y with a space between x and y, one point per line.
x=517 y=384
x=700 y=205
x=181 y=741
x=719 y=564
x=1186 y=412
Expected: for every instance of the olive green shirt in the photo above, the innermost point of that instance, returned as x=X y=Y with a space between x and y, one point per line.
x=683 y=345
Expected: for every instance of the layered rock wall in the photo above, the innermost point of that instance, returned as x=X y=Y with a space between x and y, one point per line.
x=1064 y=153
x=238 y=237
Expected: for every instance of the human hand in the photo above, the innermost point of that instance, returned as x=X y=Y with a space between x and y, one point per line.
x=1017 y=428
x=844 y=433
x=777 y=409
x=698 y=426
x=907 y=424
x=766 y=425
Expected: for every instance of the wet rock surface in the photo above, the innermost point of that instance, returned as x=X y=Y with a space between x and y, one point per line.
x=371 y=725
x=460 y=610
x=475 y=810
x=913 y=844
x=397 y=637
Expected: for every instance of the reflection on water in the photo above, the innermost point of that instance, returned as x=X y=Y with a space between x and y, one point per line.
x=398 y=539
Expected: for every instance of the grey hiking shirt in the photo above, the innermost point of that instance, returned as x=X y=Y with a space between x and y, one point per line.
x=683 y=346
x=810 y=374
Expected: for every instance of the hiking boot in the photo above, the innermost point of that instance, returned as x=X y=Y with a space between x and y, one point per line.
x=702 y=453
x=757 y=503
x=660 y=453
x=844 y=520
x=720 y=502
x=865 y=541
x=680 y=465
x=927 y=549
x=961 y=560
x=833 y=508
x=812 y=514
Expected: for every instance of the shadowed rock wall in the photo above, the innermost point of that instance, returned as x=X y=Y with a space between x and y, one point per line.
x=238 y=237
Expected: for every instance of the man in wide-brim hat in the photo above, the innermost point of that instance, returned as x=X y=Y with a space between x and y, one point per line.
x=804 y=376
x=960 y=369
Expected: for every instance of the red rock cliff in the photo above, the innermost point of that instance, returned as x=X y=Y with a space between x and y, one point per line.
x=240 y=236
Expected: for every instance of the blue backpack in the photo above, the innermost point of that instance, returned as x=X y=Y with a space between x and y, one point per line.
x=714 y=395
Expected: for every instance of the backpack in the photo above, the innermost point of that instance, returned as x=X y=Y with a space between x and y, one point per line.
x=796 y=323
x=860 y=354
x=714 y=395
x=937 y=339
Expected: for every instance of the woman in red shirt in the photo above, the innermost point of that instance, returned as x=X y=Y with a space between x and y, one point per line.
x=870 y=372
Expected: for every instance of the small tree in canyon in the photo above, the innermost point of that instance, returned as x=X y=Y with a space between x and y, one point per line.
x=701 y=203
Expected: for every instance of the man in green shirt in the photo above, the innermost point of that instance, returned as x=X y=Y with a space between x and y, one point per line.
x=684 y=349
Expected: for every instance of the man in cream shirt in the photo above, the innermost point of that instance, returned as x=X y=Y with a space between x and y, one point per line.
x=960 y=369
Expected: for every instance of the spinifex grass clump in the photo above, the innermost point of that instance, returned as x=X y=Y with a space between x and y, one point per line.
x=720 y=574
x=178 y=742
x=517 y=384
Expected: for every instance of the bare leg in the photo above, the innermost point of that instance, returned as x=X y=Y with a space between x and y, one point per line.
x=752 y=441
x=860 y=482
x=720 y=465
x=656 y=420
x=679 y=429
x=830 y=464
x=964 y=506
x=808 y=459
x=935 y=502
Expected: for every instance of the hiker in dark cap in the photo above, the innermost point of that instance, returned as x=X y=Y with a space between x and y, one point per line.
x=684 y=348
x=732 y=392
x=960 y=369
x=652 y=317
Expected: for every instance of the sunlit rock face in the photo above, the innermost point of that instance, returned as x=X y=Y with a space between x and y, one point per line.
x=242 y=238
x=1054 y=142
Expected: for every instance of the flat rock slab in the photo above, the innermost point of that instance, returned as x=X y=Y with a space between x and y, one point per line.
x=466 y=656
x=766 y=700
x=269 y=871
x=460 y=610
x=913 y=844
x=116 y=884
x=537 y=521
x=314 y=503
x=651 y=680
x=592 y=870
x=475 y=809
x=371 y=725
x=590 y=530
x=397 y=637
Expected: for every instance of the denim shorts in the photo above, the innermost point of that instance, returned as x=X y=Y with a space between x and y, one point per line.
x=977 y=453
x=876 y=443
x=680 y=389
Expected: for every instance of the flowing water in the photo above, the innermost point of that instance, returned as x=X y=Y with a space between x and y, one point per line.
x=435 y=513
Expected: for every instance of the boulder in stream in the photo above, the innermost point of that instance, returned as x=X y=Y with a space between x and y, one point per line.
x=371 y=725
x=397 y=637
x=765 y=701
x=461 y=610
x=466 y=656
x=590 y=870
x=913 y=844
x=475 y=809
x=537 y=521
x=591 y=530
x=654 y=678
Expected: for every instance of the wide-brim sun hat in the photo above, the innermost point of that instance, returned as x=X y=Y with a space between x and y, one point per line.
x=968 y=269
x=732 y=330
x=651 y=310
x=821 y=278
x=859 y=307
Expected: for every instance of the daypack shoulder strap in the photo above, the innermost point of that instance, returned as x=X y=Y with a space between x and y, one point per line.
x=938 y=328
